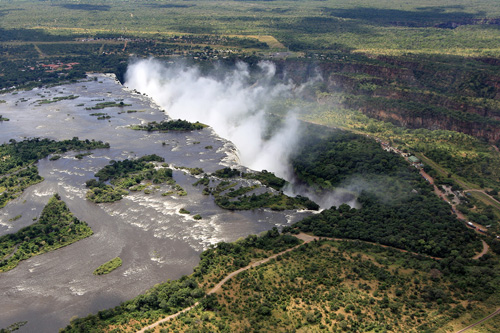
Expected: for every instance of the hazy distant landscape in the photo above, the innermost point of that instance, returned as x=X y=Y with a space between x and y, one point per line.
x=373 y=125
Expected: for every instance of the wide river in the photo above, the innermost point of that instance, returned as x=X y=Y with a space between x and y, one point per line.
x=154 y=240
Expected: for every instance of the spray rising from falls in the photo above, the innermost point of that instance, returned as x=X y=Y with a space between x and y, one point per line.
x=233 y=103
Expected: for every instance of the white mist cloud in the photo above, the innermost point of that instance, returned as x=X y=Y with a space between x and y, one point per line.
x=232 y=103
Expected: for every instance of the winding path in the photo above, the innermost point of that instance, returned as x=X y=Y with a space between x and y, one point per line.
x=481 y=321
x=218 y=286
x=172 y=316
x=485 y=250
x=304 y=237
x=459 y=215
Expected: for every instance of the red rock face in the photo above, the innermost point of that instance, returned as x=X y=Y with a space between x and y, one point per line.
x=489 y=132
x=412 y=94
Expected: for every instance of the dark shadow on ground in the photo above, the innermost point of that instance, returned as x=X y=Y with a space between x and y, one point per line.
x=422 y=17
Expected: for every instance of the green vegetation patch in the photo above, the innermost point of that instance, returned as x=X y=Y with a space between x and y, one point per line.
x=170 y=125
x=82 y=155
x=17 y=171
x=13 y=327
x=268 y=179
x=193 y=171
x=217 y=262
x=12 y=185
x=56 y=99
x=127 y=175
x=100 y=192
x=2 y=118
x=227 y=173
x=264 y=200
x=108 y=267
x=103 y=105
x=159 y=301
x=265 y=177
x=15 y=218
x=184 y=211
x=56 y=227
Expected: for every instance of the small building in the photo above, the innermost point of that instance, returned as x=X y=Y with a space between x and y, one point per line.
x=413 y=159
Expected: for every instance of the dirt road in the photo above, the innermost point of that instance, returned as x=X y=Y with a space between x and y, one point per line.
x=485 y=250
x=218 y=286
x=458 y=214
x=304 y=237
x=480 y=322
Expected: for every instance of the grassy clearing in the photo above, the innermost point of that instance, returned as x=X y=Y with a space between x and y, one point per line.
x=271 y=41
x=485 y=199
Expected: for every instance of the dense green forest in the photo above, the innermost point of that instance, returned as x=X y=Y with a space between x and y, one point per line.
x=327 y=162
x=127 y=175
x=56 y=227
x=17 y=171
x=469 y=159
x=18 y=154
x=398 y=207
x=458 y=160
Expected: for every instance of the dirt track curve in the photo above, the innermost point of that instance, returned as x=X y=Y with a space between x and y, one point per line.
x=304 y=237
x=218 y=286
x=480 y=322
x=485 y=250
